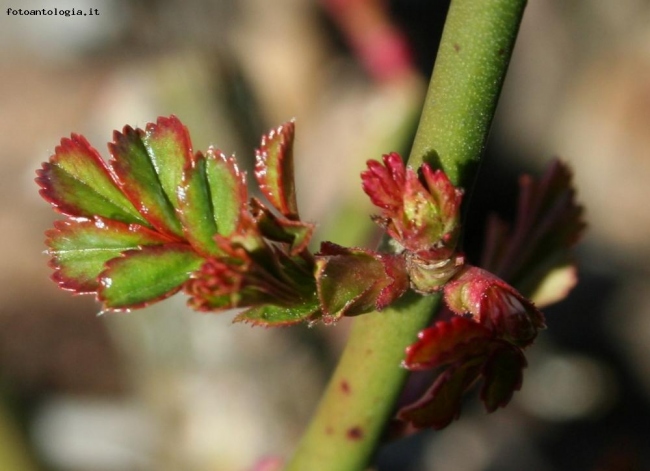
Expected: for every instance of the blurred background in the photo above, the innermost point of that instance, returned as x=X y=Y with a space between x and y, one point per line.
x=165 y=388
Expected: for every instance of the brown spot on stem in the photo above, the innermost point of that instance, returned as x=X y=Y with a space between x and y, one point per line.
x=456 y=47
x=501 y=51
x=329 y=431
x=355 y=433
x=345 y=387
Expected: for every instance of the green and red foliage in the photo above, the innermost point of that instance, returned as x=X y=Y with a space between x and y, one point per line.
x=158 y=218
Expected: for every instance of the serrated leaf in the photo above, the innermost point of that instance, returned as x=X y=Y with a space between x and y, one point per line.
x=503 y=373
x=441 y=403
x=227 y=190
x=80 y=248
x=274 y=169
x=77 y=183
x=138 y=180
x=447 y=342
x=195 y=208
x=270 y=315
x=170 y=150
x=139 y=277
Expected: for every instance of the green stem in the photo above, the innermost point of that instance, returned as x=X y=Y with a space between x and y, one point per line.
x=472 y=61
x=359 y=401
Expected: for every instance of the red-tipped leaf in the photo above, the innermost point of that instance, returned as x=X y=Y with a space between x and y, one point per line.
x=169 y=147
x=80 y=247
x=274 y=169
x=195 y=208
x=138 y=179
x=77 y=183
x=228 y=193
x=140 y=277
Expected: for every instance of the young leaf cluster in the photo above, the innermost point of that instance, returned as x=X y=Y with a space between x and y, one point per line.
x=157 y=218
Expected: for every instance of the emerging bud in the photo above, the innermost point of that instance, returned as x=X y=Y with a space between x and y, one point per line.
x=420 y=212
x=276 y=289
x=494 y=322
x=354 y=281
x=422 y=215
x=495 y=304
x=430 y=276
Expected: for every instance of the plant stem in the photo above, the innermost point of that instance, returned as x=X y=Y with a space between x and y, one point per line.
x=359 y=401
x=471 y=64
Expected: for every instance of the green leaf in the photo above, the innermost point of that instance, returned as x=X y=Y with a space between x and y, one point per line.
x=195 y=208
x=77 y=183
x=140 y=277
x=274 y=169
x=80 y=248
x=170 y=150
x=270 y=315
x=139 y=181
x=227 y=190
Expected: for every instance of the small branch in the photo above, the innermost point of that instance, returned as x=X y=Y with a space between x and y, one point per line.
x=362 y=392
x=472 y=61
